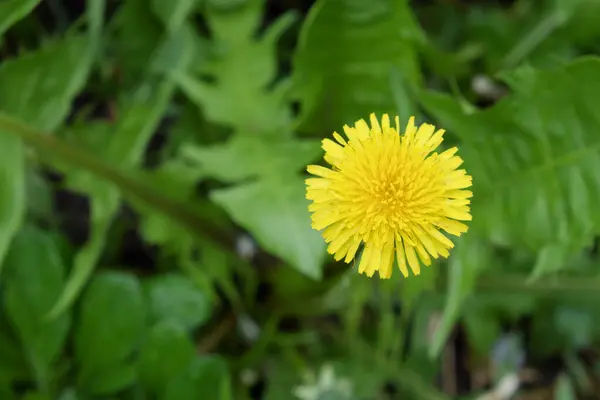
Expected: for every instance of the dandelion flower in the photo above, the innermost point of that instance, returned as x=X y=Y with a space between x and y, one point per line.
x=392 y=193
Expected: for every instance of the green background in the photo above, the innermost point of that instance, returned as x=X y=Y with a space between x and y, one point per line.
x=155 y=241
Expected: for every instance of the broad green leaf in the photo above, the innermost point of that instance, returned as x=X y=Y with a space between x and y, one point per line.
x=12 y=197
x=175 y=298
x=468 y=259
x=37 y=87
x=534 y=157
x=34 y=276
x=110 y=324
x=11 y=11
x=403 y=96
x=243 y=68
x=166 y=352
x=244 y=157
x=529 y=36
x=204 y=378
x=13 y=364
x=112 y=378
x=584 y=25
x=275 y=211
x=350 y=48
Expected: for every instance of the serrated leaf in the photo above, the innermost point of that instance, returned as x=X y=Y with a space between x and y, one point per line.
x=350 y=48
x=175 y=298
x=34 y=276
x=243 y=94
x=205 y=378
x=166 y=352
x=534 y=157
x=275 y=211
x=111 y=320
x=244 y=157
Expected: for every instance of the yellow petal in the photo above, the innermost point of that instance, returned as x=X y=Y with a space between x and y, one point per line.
x=411 y=256
x=400 y=256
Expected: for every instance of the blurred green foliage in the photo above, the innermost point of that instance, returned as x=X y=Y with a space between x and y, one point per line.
x=154 y=236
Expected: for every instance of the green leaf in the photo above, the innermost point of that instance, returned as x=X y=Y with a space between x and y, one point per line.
x=173 y=13
x=243 y=68
x=468 y=259
x=576 y=326
x=11 y=11
x=276 y=213
x=204 y=378
x=166 y=352
x=111 y=379
x=564 y=389
x=244 y=157
x=350 y=48
x=138 y=31
x=551 y=258
x=111 y=321
x=482 y=327
x=13 y=365
x=37 y=87
x=583 y=27
x=411 y=291
x=68 y=394
x=534 y=157
x=141 y=117
x=175 y=298
x=34 y=276
x=192 y=218
x=403 y=96
x=141 y=113
x=31 y=395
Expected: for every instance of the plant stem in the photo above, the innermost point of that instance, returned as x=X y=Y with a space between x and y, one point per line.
x=49 y=146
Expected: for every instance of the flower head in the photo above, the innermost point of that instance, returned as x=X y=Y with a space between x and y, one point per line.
x=390 y=192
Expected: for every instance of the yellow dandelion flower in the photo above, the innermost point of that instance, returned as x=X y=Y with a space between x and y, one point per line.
x=391 y=192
